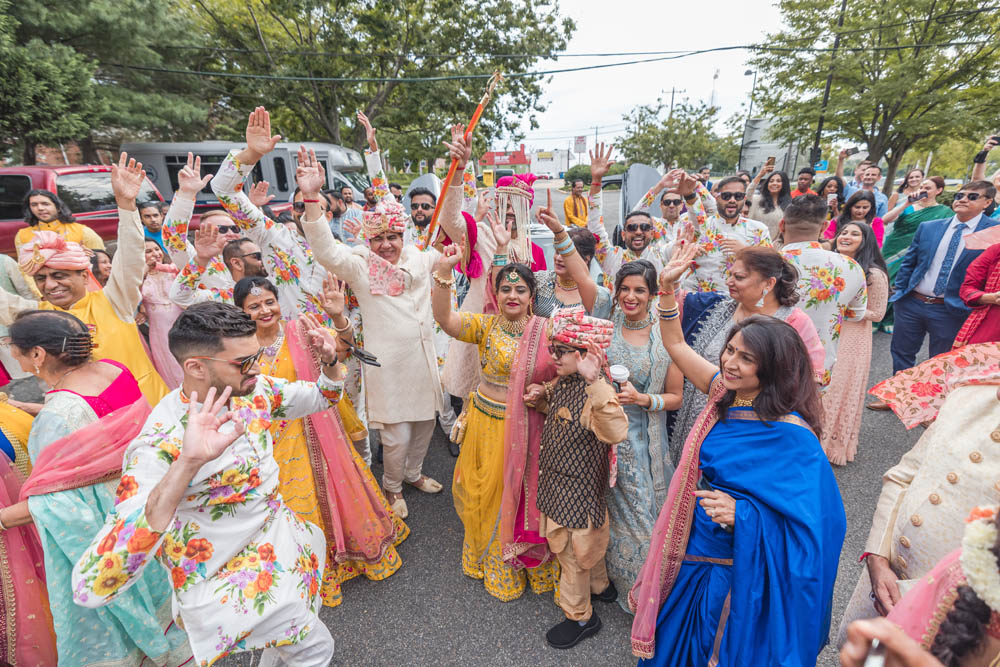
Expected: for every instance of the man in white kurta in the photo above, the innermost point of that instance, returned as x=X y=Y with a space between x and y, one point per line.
x=404 y=394
x=245 y=569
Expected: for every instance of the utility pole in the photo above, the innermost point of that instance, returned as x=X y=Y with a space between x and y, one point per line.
x=815 y=153
x=672 y=92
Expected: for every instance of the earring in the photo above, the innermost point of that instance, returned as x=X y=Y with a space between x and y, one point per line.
x=38 y=369
x=760 y=304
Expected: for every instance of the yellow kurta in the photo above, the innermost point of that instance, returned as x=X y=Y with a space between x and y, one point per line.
x=71 y=231
x=117 y=340
x=297 y=485
x=575 y=215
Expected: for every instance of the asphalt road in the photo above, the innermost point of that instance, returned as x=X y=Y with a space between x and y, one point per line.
x=430 y=613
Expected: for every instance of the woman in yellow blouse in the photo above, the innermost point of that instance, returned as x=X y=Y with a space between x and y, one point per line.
x=322 y=476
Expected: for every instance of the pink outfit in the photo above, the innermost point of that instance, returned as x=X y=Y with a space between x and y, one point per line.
x=160 y=314
x=94 y=452
x=814 y=346
x=844 y=400
x=878 y=226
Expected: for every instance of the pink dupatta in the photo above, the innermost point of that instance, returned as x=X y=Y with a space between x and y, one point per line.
x=358 y=524
x=922 y=609
x=26 y=634
x=89 y=455
x=523 y=544
x=671 y=533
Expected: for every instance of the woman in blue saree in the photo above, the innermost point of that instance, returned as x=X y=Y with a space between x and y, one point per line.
x=745 y=550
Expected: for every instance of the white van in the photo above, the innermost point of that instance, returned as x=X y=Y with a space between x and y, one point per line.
x=162 y=162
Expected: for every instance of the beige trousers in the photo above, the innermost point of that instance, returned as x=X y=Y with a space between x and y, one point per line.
x=581 y=558
x=404 y=446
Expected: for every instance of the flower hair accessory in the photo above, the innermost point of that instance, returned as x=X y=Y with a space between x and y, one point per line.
x=979 y=563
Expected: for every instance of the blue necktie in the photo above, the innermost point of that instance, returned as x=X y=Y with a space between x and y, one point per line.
x=949 y=258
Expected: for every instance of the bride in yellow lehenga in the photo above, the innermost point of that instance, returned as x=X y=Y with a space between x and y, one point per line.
x=321 y=475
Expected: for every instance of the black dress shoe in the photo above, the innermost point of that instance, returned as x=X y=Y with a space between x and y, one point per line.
x=609 y=594
x=453 y=448
x=569 y=633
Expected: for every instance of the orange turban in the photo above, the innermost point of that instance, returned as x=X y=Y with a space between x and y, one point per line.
x=51 y=250
x=385 y=217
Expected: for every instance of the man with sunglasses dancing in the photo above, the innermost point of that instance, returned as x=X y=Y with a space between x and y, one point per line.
x=926 y=289
x=719 y=235
x=199 y=493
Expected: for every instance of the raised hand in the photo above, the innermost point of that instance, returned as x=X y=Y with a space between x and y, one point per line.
x=353 y=227
x=990 y=144
x=678 y=266
x=309 y=174
x=669 y=180
x=600 y=162
x=484 y=204
x=501 y=232
x=260 y=142
x=449 y=259
x=686 y=184
x=208 y=243
x=548 y=217
x=369 y=132
x=333 y=298
x=320 y=340
x=127 y=178
x=258 y=194
x=203 y=442
x=458 y=148
x=189 y=179
x=590 y=366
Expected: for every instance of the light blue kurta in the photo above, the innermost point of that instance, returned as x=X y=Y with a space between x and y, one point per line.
x=131 y=627
x=644 y=471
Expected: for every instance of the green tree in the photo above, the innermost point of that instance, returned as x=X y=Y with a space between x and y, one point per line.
x=683 y=137
x=382 y=39
x=128 y=103
x=893 y=87
x=46 y=91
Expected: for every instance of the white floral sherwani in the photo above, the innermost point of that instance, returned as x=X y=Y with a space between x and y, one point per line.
x=245 y=569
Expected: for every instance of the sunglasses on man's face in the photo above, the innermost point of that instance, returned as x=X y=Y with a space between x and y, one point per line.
x=228 y=229
x=971 y=196
x=738 y=196
x=557 y=352
x=245 y=364
x=416 y=207
x=671 y=202
x=635 y=227
x=259 y=256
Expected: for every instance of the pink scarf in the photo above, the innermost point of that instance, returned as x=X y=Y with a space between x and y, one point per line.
x=523 y=544
x=920 y=612
x=670 y=535
x=359 y=527
x=26 y=634
x=89 y=455
x=383 y=277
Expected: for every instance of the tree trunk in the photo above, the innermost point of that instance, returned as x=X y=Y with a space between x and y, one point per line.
x=28 y=154
x=89 y=151
x=890 y=172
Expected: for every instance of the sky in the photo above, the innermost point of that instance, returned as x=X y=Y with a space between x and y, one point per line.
x=577 y=101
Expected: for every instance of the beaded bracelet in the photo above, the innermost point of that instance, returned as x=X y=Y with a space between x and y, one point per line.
x=563 y=243
x=442 y=282
x=310 y=201
x=500 y=260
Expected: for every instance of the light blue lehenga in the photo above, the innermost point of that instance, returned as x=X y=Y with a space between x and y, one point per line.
x=644 y=467
x=138 y=623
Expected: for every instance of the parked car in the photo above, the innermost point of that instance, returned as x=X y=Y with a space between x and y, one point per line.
x=545 y=176
x=86 y=189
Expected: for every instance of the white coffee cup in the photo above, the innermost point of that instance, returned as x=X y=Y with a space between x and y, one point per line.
x=619 y=374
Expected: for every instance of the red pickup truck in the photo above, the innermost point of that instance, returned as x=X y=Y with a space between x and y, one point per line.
x=86 y=189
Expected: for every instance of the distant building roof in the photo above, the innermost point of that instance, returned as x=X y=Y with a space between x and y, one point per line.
x=504 y=158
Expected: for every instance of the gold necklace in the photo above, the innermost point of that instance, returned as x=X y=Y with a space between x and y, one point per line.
x=636 y=325
x=568 y=285
x=514 y=328
x=743 y=402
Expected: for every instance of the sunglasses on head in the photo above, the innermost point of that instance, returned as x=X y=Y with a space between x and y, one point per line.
x=636 y=226
x=228 y=229
x=557 y=351
x=738 y=196
x=245 y=364
x=415 y=206
x=259 y=256
x=971 y=196
x=671 y=202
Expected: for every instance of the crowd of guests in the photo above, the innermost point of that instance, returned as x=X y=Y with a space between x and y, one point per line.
x=660 y=436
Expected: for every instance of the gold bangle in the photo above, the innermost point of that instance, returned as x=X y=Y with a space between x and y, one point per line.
x=443 y=282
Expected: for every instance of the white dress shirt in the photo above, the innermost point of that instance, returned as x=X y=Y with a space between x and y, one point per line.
x=926 y=285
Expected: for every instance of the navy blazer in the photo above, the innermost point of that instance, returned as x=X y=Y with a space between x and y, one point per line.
x=918 y=260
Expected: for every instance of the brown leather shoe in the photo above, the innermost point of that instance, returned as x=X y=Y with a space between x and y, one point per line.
x=878 y=406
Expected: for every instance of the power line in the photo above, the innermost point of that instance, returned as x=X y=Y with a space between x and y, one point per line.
x=513 y=75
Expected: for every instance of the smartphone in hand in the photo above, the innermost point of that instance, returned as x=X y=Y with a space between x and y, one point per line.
x=852 y=150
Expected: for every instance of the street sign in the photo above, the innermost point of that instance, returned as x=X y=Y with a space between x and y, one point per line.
x=580 y=145
x=822 y=166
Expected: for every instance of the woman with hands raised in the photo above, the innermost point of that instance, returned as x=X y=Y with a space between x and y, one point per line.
x=753 y=523
x=498 y=432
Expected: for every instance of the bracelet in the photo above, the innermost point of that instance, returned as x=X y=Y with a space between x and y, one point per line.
x=563 y=243
x=338 y=330
x=310 y=201
x=567 y=252
x=332 y=364
x=2 y=527
x=500 y=260
x=668 y=317
x=656 y=403
x=443 y=282
x=668 y=311
x=690 y=197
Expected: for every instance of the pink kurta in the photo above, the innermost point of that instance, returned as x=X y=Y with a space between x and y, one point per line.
x=844 y=399
x=160 y=314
